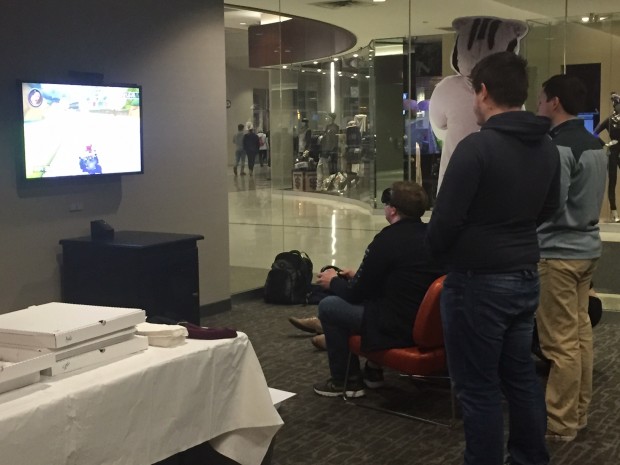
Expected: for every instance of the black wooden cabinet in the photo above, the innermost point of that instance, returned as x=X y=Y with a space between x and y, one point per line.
x=157 y=272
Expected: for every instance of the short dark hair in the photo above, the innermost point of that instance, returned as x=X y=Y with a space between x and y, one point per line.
x=240 y=127
x=409 y=198
x=570 y=91
x=504 y=75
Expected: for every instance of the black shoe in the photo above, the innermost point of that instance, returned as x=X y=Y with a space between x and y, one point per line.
x=373 y=377
x=355 y=388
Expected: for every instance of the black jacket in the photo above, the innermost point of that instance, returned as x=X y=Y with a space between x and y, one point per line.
x=251 y=142
x=500 y=184
x=395 y=273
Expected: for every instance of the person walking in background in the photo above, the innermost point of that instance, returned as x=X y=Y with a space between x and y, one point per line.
x=570 y=245
x=500 y=184
x=251 y=145
x=239 y=151
x=263 y=147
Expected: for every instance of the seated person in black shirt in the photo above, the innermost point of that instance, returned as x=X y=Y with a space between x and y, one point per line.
x=380 y=300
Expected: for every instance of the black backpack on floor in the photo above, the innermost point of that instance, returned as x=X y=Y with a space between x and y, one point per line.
x=288 y=281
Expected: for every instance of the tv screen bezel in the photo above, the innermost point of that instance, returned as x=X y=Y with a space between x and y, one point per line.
x=22 y=177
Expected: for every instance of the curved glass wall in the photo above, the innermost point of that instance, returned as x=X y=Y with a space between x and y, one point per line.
x=345 y=125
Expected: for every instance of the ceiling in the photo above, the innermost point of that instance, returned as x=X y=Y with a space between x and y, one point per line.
x=369 y=20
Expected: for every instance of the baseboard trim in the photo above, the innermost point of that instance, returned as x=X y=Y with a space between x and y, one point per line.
x=227 y=304
x=215 y=308
x=611 y=302
x=251 y=294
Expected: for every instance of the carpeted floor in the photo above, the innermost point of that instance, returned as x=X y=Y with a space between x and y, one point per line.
x=322 y=431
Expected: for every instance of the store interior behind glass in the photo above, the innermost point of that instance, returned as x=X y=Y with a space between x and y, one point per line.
x=341 y=90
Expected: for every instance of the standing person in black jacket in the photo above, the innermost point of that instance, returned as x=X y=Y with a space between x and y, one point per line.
x=379 y=301
x=500 y=184
x=251 y=145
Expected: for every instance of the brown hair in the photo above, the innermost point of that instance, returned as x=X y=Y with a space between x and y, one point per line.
x=409 y=199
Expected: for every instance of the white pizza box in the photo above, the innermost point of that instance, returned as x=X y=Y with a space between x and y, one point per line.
x=55 y=324
x=14 y=375
x=99 y=356
x=18 y=353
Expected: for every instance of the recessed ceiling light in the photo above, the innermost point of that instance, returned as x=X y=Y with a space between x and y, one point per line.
x=243 y=24
x=584 y=19
x=315 y=62
x=355 y=55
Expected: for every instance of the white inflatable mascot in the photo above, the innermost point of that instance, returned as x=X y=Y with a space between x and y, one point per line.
x=451 y=106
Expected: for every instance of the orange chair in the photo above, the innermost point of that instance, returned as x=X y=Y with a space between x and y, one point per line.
x=424 y=361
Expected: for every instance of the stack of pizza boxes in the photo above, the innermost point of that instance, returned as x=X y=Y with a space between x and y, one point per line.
x=56 y=338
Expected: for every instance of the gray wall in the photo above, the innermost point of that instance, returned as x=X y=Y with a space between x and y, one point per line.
x=175 y=50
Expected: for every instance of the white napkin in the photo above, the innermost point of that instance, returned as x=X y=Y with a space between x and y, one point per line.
x=162 y=335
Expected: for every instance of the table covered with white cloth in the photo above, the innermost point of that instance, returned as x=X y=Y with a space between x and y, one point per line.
x=144 y=408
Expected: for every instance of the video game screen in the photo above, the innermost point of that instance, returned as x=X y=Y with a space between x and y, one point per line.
x=77 y=130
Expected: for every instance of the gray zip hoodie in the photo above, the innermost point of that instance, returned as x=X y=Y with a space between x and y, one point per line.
x=572 y=232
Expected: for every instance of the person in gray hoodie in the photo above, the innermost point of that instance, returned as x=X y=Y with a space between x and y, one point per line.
x=570 y=245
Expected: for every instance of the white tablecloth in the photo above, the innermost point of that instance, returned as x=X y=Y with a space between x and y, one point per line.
x=143 y=409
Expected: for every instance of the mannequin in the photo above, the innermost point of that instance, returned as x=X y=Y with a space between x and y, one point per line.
x=353 y=146
x=612 y=125
x=329 y=151
x=305 y=137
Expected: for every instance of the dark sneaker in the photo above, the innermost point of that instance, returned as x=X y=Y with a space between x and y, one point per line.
x=355 y=388
x=309 y=325
x=373 y=377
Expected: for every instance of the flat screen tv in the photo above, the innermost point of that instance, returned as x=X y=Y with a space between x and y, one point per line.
x=80 y=130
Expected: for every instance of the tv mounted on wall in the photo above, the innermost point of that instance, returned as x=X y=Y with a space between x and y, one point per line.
x=78 y=130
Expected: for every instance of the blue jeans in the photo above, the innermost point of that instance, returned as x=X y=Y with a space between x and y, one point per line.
x=340 y=319
x=240 y=158
x=488 y=322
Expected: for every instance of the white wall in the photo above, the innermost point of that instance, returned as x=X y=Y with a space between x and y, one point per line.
x=175 y=50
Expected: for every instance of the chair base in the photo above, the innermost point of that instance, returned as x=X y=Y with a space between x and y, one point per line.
x=426 y=379
x=451 y=424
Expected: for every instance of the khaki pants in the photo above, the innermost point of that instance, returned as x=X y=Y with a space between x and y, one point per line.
x=565 y=336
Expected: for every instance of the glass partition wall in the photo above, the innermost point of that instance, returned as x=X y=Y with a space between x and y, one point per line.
x=345 y=124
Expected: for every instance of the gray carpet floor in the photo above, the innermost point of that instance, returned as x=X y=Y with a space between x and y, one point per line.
x=324 y=431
